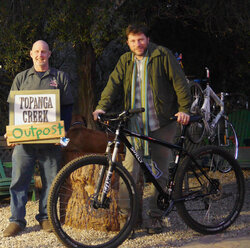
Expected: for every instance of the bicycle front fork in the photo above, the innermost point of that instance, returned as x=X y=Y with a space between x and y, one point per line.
x=105 y=175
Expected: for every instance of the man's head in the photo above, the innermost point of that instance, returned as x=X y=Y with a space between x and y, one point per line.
x=137 y=39
x=40 y=55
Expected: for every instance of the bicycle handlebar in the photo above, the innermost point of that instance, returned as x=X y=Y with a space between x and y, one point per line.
x=118 y=116
x=128 y=113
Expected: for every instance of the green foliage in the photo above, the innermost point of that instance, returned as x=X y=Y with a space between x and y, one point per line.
x=82 y=22
x=19 y=29
x=210 y=32
x=74 y=21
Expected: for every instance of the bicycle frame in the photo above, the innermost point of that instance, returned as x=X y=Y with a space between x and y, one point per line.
x=120 y=135
x=139 y=159
x=205 y=109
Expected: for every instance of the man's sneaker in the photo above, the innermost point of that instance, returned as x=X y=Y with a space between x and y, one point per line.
x=154 y=226
x=46 y=226
x=12 y=230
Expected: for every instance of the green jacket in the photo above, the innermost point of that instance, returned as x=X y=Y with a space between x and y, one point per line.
x=170 y=89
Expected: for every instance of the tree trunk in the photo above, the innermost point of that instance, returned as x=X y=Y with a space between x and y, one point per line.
x=86 y=71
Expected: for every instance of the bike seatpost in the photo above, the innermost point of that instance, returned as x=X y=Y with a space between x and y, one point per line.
x=222 y=95
x=207 y=75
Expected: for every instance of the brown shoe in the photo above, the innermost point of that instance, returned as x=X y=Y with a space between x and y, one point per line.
x=12 y=230
x=46 y=226
x=154 y=226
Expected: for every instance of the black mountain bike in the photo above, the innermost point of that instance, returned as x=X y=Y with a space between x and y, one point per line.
x=102 y=210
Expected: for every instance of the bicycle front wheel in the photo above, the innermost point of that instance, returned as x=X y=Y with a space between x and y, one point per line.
x=209 y=200
x=79 y=215
x=227 y=137
x=196 y=130
x=197 y=97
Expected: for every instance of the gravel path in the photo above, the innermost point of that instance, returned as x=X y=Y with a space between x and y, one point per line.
x=176 y=233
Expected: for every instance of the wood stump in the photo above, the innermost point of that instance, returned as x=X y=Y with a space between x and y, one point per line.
x=74 y=213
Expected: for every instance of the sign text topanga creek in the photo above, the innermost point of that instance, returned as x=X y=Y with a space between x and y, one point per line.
x=34 y=108
x=35 y=117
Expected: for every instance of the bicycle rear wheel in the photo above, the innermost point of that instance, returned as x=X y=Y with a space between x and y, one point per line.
x=77 y=219
x=226 y=138
x=212 y=199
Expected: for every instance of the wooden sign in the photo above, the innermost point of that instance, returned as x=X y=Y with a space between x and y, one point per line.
x=35 y=132
x=36 y=107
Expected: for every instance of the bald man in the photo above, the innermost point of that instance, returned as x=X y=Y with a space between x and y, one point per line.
x=24 y=157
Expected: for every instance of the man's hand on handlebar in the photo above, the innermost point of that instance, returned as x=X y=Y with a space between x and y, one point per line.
x=182 y=118
x=97 y=112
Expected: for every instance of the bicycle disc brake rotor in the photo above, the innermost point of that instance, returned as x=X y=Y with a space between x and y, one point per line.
x=93 y=210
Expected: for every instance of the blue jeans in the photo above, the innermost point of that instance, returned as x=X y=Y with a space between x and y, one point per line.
x=24 y=159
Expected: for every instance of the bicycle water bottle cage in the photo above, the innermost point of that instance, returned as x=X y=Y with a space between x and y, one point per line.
x=153 y=168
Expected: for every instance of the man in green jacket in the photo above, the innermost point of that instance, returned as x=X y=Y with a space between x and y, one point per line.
x=150 y=77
